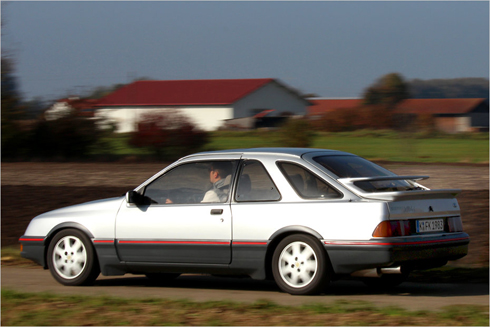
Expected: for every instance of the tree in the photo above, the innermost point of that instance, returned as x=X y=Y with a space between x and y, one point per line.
x=389 y=90
x=449 y=88
x=12 y=111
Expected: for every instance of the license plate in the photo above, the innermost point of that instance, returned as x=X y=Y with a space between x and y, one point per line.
x=431 y=225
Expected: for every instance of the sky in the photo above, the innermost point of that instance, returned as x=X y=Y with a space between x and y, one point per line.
x=333 y=49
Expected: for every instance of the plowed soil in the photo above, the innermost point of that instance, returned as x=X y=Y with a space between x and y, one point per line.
x=29 y=189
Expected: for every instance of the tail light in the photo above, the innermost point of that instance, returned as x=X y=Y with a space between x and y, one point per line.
x=455 y=224
x=393 y=228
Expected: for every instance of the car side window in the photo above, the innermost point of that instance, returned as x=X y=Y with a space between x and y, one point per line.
x=255 y=184
x=306 y=184
x=191 y=183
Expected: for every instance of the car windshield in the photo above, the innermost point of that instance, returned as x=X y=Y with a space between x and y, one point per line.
x=345 y=166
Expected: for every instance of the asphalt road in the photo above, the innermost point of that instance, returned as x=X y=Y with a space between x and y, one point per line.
x=411 y=296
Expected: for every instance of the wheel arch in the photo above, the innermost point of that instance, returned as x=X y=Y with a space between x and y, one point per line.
x=60 y=227
x=279 y=235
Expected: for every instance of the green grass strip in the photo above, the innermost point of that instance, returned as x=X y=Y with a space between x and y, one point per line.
x=48 y=309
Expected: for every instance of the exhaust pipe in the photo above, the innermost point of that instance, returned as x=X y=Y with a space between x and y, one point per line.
x=377 y=272
x=391 y=271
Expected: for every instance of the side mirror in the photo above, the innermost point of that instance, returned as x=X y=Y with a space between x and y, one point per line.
x=134 y=197
x=130 y=196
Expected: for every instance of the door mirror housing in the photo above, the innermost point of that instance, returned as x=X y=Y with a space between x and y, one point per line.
x=133 y=197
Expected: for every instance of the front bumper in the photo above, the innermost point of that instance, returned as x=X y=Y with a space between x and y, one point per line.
x=34 y=248
x=417 y=252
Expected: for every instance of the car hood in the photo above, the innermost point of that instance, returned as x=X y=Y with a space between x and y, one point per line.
x=94 y=216
x=84 y=208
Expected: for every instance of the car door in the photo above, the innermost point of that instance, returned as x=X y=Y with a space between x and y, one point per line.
x=177 y=227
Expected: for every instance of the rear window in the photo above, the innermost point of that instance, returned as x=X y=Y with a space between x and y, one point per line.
x=353 y=166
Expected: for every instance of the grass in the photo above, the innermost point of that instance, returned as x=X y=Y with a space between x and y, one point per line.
x=373 y=145
x=48 y=309
x=11 y=257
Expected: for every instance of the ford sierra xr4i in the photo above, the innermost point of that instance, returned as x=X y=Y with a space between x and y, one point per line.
x=300 y=216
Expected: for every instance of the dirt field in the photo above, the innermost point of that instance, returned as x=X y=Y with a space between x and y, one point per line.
x=29 y=189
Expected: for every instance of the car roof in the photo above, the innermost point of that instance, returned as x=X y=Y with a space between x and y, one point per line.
x=299 y=152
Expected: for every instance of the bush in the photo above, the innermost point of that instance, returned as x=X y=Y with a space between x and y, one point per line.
x=67 y=137
x=296 y=133
x=169 y=135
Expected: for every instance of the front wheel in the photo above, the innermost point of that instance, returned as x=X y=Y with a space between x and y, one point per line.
x=300 y=265
x=71 y=258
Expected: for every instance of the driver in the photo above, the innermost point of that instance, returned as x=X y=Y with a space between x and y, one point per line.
x=220 y=177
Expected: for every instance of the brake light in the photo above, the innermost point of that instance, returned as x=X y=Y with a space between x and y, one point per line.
x=455 y=224
x=392 y=228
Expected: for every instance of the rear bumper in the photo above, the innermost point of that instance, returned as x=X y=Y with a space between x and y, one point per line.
x=416 y=252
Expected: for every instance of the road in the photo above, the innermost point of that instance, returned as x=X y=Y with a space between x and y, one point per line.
x=411 y=296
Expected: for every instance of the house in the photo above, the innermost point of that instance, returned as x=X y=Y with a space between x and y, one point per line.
x=450 y=115
x=207 y=103
x=71 y=105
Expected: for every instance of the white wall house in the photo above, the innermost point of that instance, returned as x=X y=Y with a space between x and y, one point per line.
x=207 y=103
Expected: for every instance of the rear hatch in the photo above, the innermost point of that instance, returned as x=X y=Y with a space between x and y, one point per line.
x=427 y=209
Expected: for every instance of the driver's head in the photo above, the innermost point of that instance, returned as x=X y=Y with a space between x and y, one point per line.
x=219 y=170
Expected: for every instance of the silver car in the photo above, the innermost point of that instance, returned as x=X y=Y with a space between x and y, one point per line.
x=300 y=216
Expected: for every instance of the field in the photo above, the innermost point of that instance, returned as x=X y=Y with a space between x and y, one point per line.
x=373 y=145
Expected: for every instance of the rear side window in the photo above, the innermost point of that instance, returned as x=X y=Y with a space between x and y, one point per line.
x=255 y=184
x=306 y=184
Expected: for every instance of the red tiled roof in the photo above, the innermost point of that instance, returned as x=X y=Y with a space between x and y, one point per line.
x=321 y=106
x=416 y=106
x=437 y=106
x=182 y=92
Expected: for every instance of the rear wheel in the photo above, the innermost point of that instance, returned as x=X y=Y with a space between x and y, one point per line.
x=300 y=265
x=71 y=258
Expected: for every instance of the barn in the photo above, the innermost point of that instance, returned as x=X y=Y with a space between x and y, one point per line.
x=207 y=103
x=450 y=115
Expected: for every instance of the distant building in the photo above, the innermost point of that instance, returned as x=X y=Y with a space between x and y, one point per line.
x=450 y=115
x=68 y=106
x=207 y=103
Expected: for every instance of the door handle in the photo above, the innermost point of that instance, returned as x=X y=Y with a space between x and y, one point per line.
x=216 y=211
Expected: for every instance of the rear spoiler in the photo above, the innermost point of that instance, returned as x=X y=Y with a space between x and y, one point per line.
x=423 y=194
x=381 y=178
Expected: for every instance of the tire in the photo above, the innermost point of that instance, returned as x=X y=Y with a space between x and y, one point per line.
x=300 y=265
x=71 y=258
